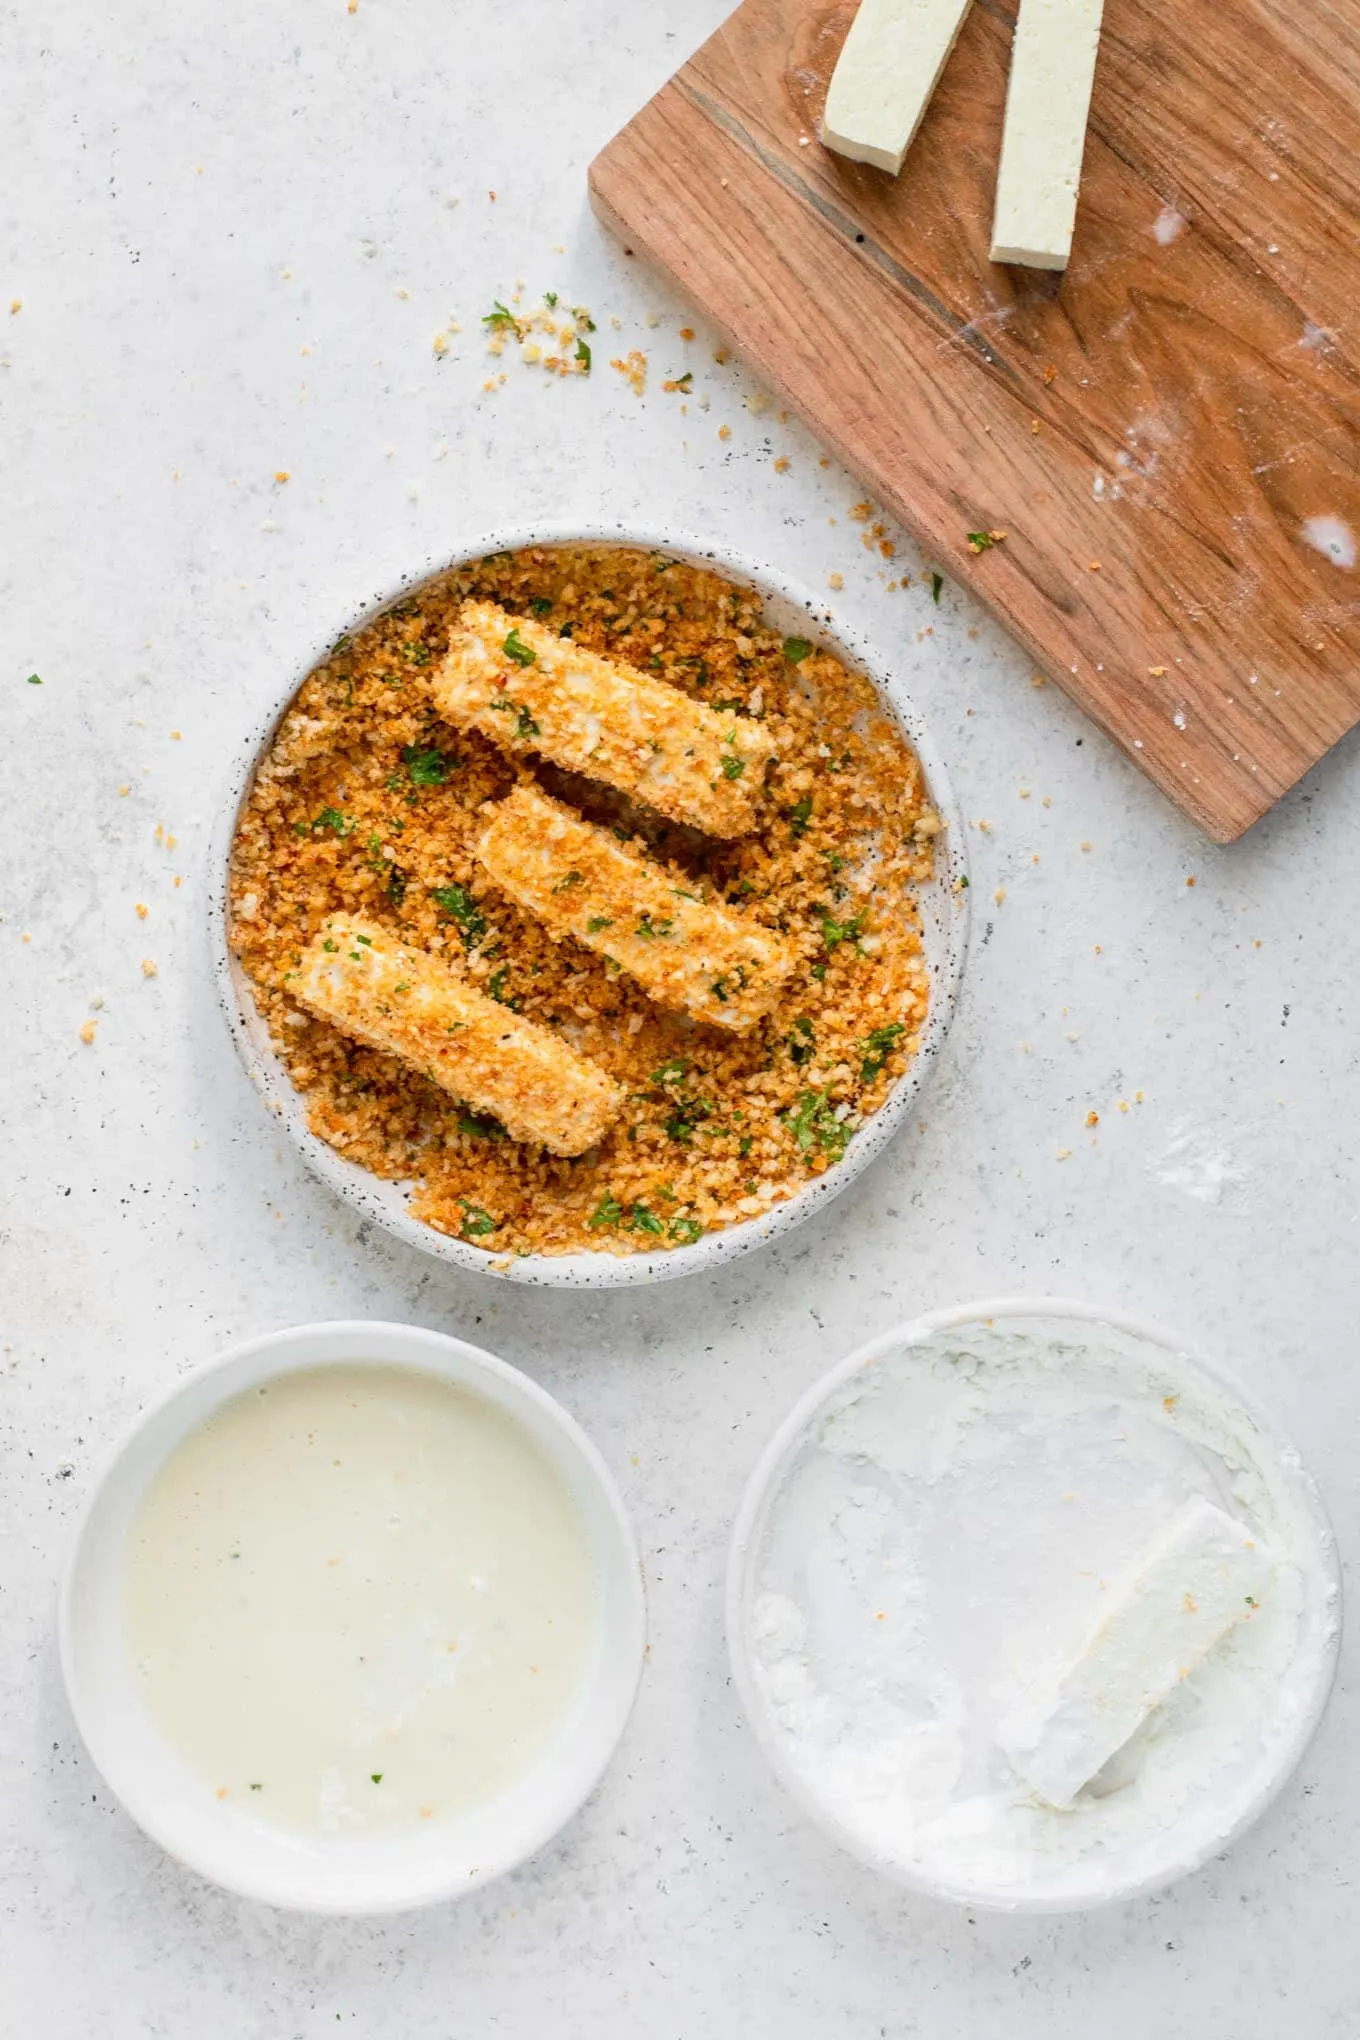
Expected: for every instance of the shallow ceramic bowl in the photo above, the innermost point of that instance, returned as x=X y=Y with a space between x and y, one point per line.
x=944 y=914
x=342 y=1874
x=1188 y=1841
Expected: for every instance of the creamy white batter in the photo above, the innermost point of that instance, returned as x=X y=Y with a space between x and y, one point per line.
x=946 y=1531
x=359 y=1598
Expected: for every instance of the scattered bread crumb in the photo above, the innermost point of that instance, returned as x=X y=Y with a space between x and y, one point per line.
x=87 y=1032
x=142 y=910
x=148 y=967
x=633 y=368
x=836 y=581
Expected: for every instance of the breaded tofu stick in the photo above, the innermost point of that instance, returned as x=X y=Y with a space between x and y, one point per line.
x=406 y=1002
x=529 y=689
x=580 y=881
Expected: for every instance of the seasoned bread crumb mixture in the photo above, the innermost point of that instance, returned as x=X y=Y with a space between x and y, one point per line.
x=369 y=804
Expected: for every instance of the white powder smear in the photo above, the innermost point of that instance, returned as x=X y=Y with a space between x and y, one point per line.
x=947 y=1526
x=1168 y=226
x=1193 y=1164
x=1333 y=538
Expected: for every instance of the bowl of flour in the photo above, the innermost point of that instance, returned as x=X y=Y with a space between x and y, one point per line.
x=1022 y=1511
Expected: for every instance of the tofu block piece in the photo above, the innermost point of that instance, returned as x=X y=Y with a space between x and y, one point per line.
x=600 y=717
x=408 y=1003
x=580 y=881
x=889 y=65
x=1204 y=1573
x=1053 y=67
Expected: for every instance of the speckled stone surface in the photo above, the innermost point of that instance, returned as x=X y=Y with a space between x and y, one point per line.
x=235 y=234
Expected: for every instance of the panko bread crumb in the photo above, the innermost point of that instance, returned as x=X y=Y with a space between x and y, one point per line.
x=369 y=804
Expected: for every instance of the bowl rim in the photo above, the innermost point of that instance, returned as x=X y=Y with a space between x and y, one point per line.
x=389 y=1344
x=743 y=1551
x=377 y=1200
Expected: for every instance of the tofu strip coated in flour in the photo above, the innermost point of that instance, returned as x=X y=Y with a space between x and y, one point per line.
x=1205 y=1573
x=532 y=691
x=580 y=881
x=409 y=1004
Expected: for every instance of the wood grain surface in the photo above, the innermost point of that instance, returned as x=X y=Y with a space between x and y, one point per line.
x=1183 y=526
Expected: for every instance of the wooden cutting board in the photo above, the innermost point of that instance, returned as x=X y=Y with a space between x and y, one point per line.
x=1183 y=407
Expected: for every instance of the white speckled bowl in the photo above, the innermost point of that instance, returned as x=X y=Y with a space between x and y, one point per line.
x=340 y=1873
x=1187 y=1842
x=944 y=907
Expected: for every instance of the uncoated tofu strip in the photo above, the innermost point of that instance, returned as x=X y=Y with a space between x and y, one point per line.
x=602 y=718
x=580 y=881
x=406 y=1002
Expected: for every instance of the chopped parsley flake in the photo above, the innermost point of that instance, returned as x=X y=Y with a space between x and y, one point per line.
x=540 y=605
x=597 y=922
x=800 y=814
x=499 y=317
x=672 y=1072
x=640 y=1219
x=516 y=649
x=686 y=1231
x=732 y=768
x=476 y=1127
x=936 y=583
x=476 y=1222
x=495 y=987
x=835 y=932
x=583 y=353
x=651 y=929
x=813 y=1124
x=796 y=649
x=35 y=680
x=426 y=768
x=607 y=1212
x=802 y=1040
x=525 y=726
x=879 y=1045
x=457 y=902
x=332 y=819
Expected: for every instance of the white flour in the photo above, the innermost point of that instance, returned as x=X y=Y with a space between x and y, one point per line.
x=942 y=1533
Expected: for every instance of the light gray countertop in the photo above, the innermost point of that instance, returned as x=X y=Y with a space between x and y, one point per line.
x=235 y=234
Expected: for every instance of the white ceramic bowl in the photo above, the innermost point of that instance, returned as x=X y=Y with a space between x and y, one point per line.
x=944 y=905
x=1186 y=1843
x=344 y=1875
